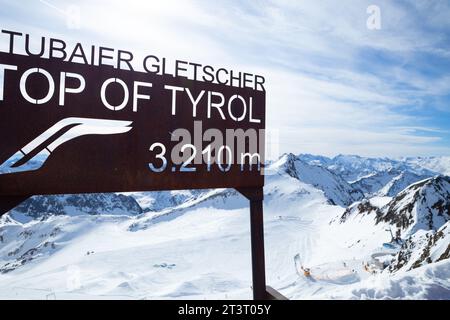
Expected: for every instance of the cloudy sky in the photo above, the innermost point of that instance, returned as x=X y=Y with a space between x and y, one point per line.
x=333 y=85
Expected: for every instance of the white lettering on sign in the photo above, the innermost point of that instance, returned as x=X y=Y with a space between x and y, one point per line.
x=194 y=101
x=23 y=87
x=215 y=100
x=174 y=96
x=209 y=103
x=63 y=89
x=125 y=91
x=216 y=105
x=137 y=95
x=4 y=67
x=244 y=105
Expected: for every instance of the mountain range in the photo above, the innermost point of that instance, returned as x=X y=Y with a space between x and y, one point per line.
x=350 y=219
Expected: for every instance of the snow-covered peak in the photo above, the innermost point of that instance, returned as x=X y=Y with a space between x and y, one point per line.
x=436 y=164
x=315 y=159
x=353 y=168
x=335 y=188
x=424 y=205
x=285 y=165
x=400 y=182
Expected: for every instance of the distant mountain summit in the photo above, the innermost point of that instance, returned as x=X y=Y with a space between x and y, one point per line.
x=381 y=176
x=353 y=168
x=424 y=205
x=335 y=188
x=76 y=204
x=389 y=183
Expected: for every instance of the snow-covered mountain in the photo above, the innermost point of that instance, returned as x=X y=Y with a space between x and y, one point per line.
x=353 y=167
x=388 y=183
x=359 y=210
x=373 y=183
x=195 y=244
x=422 y=206
x=435 y=164
x=336 y=189
x=399 y=183
x=422 y=248
x=160 y=200
x=379 y=176
x=39 y=207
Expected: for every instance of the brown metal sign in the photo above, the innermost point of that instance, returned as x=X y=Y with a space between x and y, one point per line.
x=68 y=127
x=77 y=128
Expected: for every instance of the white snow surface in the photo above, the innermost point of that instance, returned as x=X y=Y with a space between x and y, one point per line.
x=200 y=248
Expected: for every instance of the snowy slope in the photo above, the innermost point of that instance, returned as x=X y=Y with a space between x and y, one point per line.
x=422 y=206
x=79 y=204
x=359 y=210
x=420 y=216
x=159 y=200
x=423 y=247
x=388 y=183
x=429 y=282
x=400 y=182
x=196 y=252
x=373 y=183
x=199 y=246
x=336 y=189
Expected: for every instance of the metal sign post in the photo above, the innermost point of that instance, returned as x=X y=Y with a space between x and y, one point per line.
x=260 y=290
x=255 y=196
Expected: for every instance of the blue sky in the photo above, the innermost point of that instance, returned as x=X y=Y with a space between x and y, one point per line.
x=333 y=85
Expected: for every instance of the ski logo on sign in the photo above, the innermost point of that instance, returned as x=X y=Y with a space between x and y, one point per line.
x=34 y=154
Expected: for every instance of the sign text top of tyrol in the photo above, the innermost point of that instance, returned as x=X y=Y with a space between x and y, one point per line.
x=75 y=127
